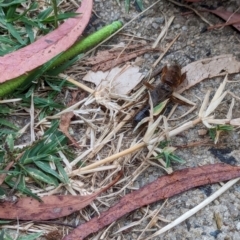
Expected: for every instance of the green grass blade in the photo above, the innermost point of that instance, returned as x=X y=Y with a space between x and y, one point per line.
x=40 y=176
x=21 y=187
x=15 y=33
x=11 y=12
x=127 y=5
x=6 y=123
x=62 y=172
x=140 y=4
x=47 y=169
x=29 y=32
x=10 y=3
x=3 y=222
x=32 y=236
x=60 y=17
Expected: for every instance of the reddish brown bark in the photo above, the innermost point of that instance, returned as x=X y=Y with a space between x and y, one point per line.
x=163 y=187
x=36 y=54
x=51 y=207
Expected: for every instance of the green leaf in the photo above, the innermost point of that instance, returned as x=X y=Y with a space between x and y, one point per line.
x=10 y=142
x=32 y=236
x=29 y=32
x=11 y=12
x=6 y=132
x=44 y=166
x=21 y=186
x=62 y=172
x=2 y=235
x=15 y=33
x=5 y=110
x=39 y=175
x=140 y=4
x=15 y=17
x=47 y=102
x=6 y=123
x=64 y=66
x=30 y=159
x=169 y=157
x=10 y=3
x=60 y=17
x=42 y=15
x=57 y=87
x=127 y=5
x=159 y=108
x=3 y=222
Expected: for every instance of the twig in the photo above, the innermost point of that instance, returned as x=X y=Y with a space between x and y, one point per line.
x=195 y=209
x=168 y=47
x=71 y=80
x=195 y=11
x=223 y=24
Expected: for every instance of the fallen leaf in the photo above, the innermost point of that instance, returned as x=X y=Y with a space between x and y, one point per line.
x=208 y=68
x=3 y=175
x=163 y=187
x=51 y=207
x=120 y=80
x=36 y=54
x=66 y=120
x=118 y=59
x=116 y=51
x=230 y=17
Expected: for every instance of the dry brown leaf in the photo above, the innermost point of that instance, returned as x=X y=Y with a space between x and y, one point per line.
x=230 y=17
x=122 y=59
x=163 y=187
x=116 y=51
x=208 y=68
x=120 y=80
x=36 y=54
x=51 y=207
x=66 y=120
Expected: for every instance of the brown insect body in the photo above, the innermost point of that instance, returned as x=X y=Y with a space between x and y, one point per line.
x=172 y=75
x=171 y=78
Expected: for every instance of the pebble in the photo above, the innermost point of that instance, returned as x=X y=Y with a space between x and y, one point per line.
x=155 y=25
x=160 y=20
x=177 y=26
x=184 y=28
x=238 y=226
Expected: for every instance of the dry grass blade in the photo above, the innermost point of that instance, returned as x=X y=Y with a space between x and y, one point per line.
x=195 y=11
x=163 y=32
x=196 y=209
x=165 y=51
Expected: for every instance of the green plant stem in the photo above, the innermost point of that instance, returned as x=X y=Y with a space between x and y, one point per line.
x=78 y=48
x=54 y=3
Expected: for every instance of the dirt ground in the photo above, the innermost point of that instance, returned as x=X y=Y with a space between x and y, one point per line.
x=195 y=43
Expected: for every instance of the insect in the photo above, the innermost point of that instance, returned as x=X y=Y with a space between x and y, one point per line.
x=171 y=78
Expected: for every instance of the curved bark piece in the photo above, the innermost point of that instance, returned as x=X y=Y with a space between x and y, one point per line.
x=36 y=54
x=51 y=207
x=163 y=187
x=231 y=18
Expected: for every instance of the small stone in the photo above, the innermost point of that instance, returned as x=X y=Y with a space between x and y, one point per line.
x=202 y=132
x=177 y=26
x=184 y=28
x=155 y=25
x=238 y=226
x=160 y=20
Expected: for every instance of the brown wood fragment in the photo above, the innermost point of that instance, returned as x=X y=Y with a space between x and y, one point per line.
x=163 y=187
x=51 y=207
x=116 y=60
